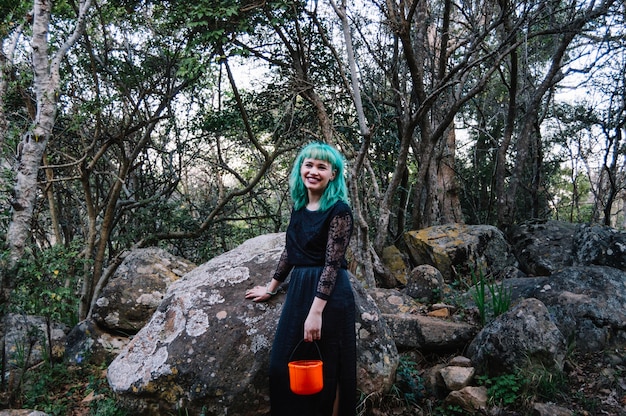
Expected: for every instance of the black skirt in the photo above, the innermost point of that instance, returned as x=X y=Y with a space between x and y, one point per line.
x=337 y=347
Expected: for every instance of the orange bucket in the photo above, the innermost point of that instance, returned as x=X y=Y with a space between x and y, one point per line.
x=306 y=376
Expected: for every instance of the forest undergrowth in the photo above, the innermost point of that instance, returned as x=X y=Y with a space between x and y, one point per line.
x=591 y=384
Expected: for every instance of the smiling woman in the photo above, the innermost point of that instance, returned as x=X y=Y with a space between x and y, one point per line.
x=316 y=174
x=320 y=304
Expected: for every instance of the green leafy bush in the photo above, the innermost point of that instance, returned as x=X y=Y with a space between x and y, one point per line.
x=409 y=384
x=506 y=389
x=48 y=284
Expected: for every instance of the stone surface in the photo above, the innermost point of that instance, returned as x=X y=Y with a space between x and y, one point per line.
x=543 y=247
x=396 y=263
x=87 y=342
x=456 y=377
x=549 y=409
x=471 y=398
x=455 y=249
x=601 y=246
x=207 y=347
x=588 y=304
x=29 y=333
x=523 y=337
x=425 y=284
x=137 y=288
x=429 y=333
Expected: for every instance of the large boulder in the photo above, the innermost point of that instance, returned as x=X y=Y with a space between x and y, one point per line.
x=458 y=248
x=425 y=284
x=587 y=303
x=136 y=288
x=523 y=337
x=543 y=247
x=601 y=246
x=133 y=293
x=206 y=348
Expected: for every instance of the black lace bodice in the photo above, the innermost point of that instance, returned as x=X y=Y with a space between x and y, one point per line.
x=317 y=238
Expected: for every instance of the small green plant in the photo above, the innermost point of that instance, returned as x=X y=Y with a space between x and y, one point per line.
x=590 y=404
x=60 y=389
x=450 y=410
x=480 y=297
x=499 y=296
x=408 y=381
x=506 y=389
x=545 y=383
x=106 y=407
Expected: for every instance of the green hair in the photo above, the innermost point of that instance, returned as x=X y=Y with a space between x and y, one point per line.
x=336 y=190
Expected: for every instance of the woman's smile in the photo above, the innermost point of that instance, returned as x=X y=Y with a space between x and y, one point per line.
x=316 y=174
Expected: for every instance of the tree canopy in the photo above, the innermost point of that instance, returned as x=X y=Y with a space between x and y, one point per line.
x=129 y=123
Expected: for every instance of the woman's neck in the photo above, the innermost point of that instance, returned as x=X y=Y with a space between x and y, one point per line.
x=313 y=203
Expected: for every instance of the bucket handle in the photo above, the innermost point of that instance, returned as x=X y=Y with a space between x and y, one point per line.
x=298 y=344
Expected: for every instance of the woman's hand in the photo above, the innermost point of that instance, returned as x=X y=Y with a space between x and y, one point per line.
x=313 y=323
x=313 y=326
x=258 y=294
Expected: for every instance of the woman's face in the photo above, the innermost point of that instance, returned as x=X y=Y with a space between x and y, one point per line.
x=316 y=174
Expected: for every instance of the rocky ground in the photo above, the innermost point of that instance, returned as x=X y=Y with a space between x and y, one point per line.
x=597 y=383
x=592 y=384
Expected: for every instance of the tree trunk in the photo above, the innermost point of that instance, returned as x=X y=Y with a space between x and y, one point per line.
x=612 y=167
x=46 y=85
x=436 y=192
x=447 y=183
x=34 y=142
x=507 y=192
x=52 y=205
x=7 y=51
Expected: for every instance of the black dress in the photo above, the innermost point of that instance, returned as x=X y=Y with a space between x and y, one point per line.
x=315 y=256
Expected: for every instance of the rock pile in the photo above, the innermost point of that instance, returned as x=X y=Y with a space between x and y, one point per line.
x=182 y=337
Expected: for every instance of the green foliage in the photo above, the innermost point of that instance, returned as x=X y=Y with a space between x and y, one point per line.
x=107 y=405
x=409 y=385
x=493 y=304
x=59 y=389
x=571 y=193
x=590 y=404
x=47 y=284
x=480 y=297
x=450 y=410
x=547 y=384
x=13 y=13
x=500 y=298
x=38 y=387
x=504 y=390
x=524 y=386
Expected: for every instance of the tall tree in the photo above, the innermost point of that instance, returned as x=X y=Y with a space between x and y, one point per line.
x=46 y=62
x=559 y=24
x=11 y=29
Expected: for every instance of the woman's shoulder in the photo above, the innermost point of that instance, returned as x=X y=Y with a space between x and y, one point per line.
x=340 y=207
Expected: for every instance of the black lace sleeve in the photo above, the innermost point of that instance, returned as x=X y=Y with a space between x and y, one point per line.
x=283 y=268
x=339 y=233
